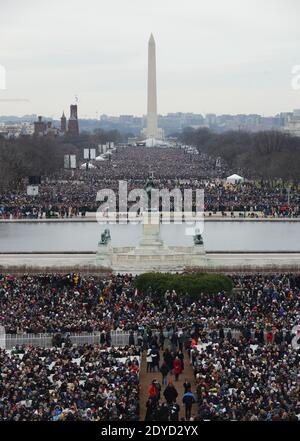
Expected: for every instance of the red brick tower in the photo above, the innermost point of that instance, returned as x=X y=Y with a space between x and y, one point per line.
x=63 y=123
x=73 y=128
x=40 y=127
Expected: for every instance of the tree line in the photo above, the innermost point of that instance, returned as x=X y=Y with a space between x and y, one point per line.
x=42 y=156
x=261 y=155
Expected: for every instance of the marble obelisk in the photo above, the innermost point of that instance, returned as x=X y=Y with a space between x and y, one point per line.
x=152 y=131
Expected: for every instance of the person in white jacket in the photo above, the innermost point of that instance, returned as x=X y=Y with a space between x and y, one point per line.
x=149 y=360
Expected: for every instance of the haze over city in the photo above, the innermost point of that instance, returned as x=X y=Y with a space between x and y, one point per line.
x=221 y=57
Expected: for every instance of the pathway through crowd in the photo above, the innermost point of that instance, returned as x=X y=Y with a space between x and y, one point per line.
x=147 y=377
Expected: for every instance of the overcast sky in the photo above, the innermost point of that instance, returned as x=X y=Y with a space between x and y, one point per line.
x=220 y=56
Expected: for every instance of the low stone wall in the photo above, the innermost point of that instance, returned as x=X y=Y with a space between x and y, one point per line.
x=89 y=264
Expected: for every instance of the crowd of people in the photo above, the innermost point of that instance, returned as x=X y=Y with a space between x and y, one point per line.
x=162 y=403
x=86 y=383
x=242 y=345
x=77 y=303
x=76 y=198
x=69 y=194
x=72 y=193
x=250 y=375
x=239 y=381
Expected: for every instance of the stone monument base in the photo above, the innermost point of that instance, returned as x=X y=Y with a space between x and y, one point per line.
x=152 y=254
x=145 y=258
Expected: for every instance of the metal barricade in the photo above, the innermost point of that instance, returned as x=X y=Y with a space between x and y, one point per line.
x=118 y=338
x=2 y=338
x=42 y=340
x=121 y=338
x=85 y=338
x=9 y=341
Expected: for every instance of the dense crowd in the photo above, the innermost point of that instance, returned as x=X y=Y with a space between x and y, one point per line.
x=163 y=397
x=88 y=383
x=68 y=199
x=243 y=348
x=77 y=303
x=239 y=381
x=70 y=194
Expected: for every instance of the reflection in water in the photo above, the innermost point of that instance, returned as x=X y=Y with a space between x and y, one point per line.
x=84 y=236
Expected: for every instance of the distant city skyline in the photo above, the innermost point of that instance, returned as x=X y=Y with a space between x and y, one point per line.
x=223 y=57
x=169 y=124
x=105 y=115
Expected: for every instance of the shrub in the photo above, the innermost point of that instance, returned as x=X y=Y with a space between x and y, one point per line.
x=194 y=284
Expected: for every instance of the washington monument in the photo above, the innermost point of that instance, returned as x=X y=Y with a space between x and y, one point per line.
x=152 y=131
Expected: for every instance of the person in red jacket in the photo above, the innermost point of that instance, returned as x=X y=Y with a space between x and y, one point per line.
x=152 y=391
x=269 y=337
x=177 y=368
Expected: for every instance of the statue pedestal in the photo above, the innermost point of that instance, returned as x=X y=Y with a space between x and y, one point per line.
x=141 y=259
x=151 y=233
x=151 y=254
x=104 y=255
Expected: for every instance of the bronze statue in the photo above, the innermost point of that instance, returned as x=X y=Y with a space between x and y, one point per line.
x=105 y=237
x=149 y=187
x=198 y=239
x=107 y=232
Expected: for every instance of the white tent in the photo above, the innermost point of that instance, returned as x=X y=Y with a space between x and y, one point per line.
x=153 y=142
x=100 y=158
x=83 y=166
x=234 y=179
x=108 y=153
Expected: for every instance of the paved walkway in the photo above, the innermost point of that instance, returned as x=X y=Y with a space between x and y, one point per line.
x=147 y=377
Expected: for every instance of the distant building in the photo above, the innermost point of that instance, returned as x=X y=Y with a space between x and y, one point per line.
x=210 y=119
x=172 y=123
x=14 y=130
x=40 y=127
x=63 y=123
x=73 y=128
x=44 y=128
x=126 y=119
x=292 y=123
